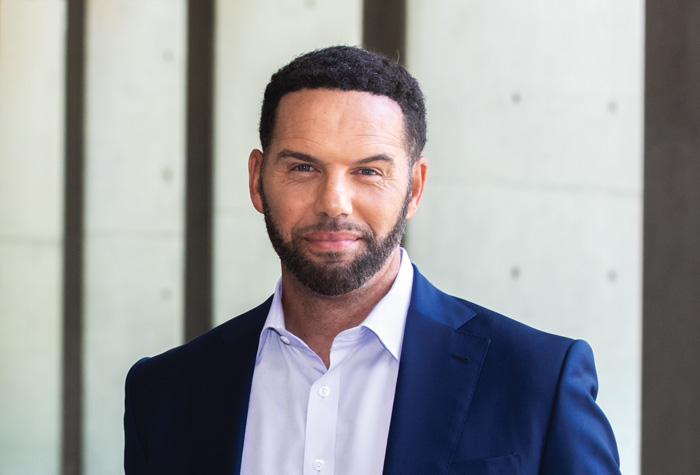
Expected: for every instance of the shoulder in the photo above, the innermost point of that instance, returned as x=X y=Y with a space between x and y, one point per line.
x=506 y=333
x=469 y=317
x=512 y=346
x=238 y=334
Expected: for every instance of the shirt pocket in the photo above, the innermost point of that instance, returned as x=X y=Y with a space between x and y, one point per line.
x=504 y=465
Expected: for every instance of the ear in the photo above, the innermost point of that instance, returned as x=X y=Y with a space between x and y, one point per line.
x=419 y=173
x=255 y=161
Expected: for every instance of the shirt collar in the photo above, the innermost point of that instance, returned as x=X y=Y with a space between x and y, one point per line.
x=387 y=319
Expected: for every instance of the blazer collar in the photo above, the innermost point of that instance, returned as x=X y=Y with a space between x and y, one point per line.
x=438 y=372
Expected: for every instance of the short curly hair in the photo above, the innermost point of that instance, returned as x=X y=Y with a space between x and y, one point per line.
x=348 y=68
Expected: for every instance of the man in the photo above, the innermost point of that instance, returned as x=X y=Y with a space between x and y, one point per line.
x=357 y=364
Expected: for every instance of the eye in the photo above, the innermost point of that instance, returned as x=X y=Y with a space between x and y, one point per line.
x=368 y=172
x=303 y=167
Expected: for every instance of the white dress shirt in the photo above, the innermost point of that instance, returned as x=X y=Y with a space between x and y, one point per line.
x=306 y=419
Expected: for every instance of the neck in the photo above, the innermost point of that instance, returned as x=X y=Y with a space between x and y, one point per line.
x=317 y=319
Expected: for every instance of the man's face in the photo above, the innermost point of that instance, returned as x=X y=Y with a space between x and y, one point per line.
x=336 y=188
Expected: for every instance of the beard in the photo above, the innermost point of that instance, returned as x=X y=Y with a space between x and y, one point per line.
x=334 y=277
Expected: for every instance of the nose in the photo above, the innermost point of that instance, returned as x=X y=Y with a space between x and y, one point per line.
x=334 y=197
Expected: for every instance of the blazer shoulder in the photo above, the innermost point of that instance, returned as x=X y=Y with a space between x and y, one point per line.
x=468 y=317
x=509 y=340
x=516 y=334
x=241 y=331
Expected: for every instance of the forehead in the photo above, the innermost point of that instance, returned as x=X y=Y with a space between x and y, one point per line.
x=328 y=114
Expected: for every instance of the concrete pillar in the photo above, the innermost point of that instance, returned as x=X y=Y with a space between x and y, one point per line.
x=31 y=227
x=134 y=187
x=533 y=204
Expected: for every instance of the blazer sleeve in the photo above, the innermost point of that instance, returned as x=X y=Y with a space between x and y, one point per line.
x=579 y=439
x=135 y=462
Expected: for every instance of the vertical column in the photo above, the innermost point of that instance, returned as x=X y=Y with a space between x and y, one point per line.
x=534 y=199
x=31 y=233
x=199 y=187
x=253 y=39
x=384 y=27
x=72 y=433
x=134 y=196
x=671 y=378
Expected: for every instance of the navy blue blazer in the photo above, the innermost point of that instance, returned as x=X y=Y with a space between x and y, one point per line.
x=477 y=393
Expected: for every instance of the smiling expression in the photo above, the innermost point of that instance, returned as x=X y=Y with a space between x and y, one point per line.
x=336 y=186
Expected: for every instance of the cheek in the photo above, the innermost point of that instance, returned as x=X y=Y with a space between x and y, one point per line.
x=296 y=205
x=380 y=214
x=291 y=213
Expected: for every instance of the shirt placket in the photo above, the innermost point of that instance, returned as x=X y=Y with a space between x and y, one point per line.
x=322 y=424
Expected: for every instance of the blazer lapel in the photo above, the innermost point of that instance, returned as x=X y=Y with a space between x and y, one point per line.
x=438 y=372
x=219 y=396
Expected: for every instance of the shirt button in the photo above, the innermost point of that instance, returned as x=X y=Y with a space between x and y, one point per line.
x=324 y=391
x=319 y=464
x=284 y=339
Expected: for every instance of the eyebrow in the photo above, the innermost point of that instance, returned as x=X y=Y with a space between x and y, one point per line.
x=305 y=157
x=374 y=158
x=286 y=153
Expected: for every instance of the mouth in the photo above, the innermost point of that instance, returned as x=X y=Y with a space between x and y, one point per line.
x=332 y=241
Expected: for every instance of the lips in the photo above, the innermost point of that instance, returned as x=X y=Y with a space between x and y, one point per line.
x=332 y=241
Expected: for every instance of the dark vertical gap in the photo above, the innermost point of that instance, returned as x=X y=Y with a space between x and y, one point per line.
x=671 y=272
x=199 y=186
x=384 y=31
x=384 y=27
x=72 y=416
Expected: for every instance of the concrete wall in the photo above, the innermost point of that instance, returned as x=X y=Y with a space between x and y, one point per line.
x=534 y=195
x=31 y=227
